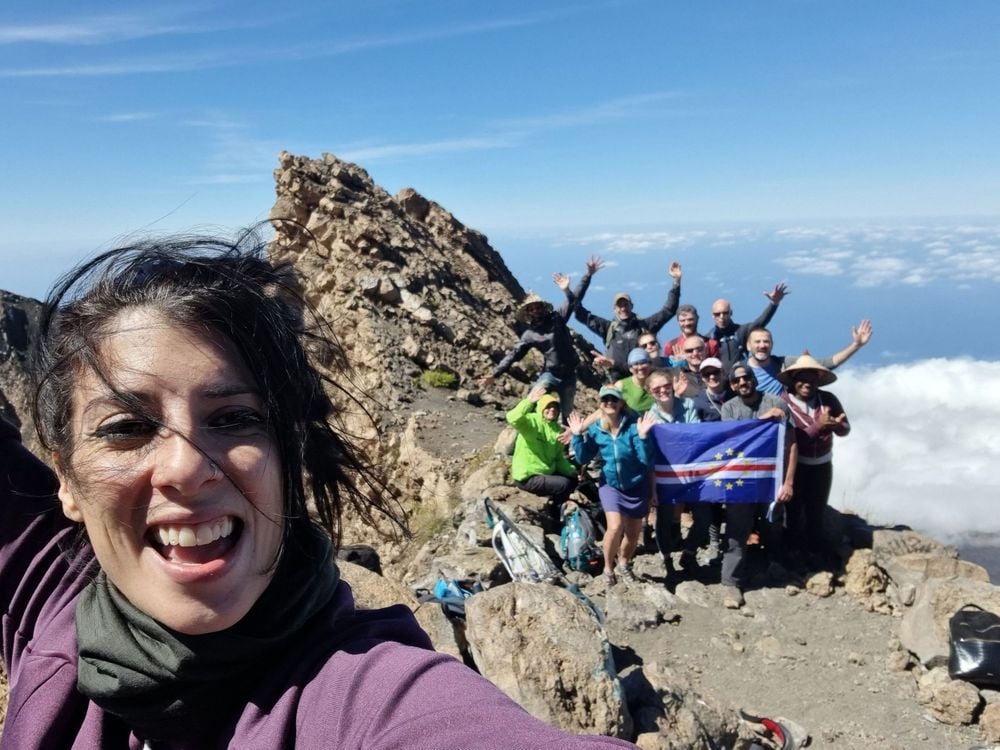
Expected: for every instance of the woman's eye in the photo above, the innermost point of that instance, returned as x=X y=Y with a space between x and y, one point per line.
x=241 y=421
x=125 y=430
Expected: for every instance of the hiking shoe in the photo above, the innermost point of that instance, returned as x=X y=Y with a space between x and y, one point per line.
x=625 y=573
x=732 y=597
x=610 y=578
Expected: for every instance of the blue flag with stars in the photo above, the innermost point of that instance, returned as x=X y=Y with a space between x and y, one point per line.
x=719 y=462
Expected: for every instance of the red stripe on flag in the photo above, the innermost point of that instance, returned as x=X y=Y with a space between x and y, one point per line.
x=707 y=470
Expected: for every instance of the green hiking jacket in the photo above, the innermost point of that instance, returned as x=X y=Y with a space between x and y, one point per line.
x=536 y=450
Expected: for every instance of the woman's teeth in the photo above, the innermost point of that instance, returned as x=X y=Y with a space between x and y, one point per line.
x=194 y=536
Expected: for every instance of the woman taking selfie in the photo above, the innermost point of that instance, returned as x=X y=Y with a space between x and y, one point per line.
x=179 y=593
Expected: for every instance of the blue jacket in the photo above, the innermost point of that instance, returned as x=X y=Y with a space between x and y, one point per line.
x=627 y=458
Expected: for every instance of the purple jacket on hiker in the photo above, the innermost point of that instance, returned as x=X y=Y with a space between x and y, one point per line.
x=354 y=679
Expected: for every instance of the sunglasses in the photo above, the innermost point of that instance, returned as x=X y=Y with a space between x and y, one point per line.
x=722 y=312
x=741 y=379
x=650 y=343
x=661 y=389
x=610 y=400
x=694 y=349
x=711 y=373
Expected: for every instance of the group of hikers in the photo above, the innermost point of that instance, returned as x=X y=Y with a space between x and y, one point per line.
x=727 y=373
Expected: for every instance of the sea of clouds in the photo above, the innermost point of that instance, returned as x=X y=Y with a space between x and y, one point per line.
x=924 y=447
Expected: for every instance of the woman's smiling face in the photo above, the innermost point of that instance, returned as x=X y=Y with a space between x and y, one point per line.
x=182 y=497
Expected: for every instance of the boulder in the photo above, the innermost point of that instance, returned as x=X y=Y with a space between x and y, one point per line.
x=916 y=567
x=372 y=591
x=820 y=584
x=949 y=701
x=639 y=606
x=924 y=628
x=989 y=722
x=545 y=649
x=889 y=543
x=684 y=719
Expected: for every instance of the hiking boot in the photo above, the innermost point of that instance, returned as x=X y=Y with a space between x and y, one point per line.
x=732 y=597
x=625 y=573
x=610 y=578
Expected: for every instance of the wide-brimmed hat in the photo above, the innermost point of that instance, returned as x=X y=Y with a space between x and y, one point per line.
x=531 y=299
x=806 y=362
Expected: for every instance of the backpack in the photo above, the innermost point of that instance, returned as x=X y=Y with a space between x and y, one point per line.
x=577 y=542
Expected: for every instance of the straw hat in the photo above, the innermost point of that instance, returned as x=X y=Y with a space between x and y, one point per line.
x=531 y=299
x=806 y=362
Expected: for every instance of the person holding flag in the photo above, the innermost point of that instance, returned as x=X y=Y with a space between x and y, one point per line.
x=741 y=517
x=669 y=408
x=620 y=437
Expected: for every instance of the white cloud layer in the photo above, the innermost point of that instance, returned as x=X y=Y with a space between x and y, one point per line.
x=923 y=448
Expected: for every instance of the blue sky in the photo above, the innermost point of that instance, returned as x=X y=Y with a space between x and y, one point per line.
x=850 y=148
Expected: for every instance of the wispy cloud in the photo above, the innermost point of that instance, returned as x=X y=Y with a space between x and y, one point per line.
x=427 y=148
x=612 y=109
x=126 y=117
x=95 y=30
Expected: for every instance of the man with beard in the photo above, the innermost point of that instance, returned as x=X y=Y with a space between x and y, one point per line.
x=730 y=337
x=766 y=366
x=742 y=519
x=621 y=334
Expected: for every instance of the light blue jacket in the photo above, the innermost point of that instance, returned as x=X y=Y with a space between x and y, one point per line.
x=627 y=458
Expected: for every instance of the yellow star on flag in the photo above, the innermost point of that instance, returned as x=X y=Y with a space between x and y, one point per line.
x=729 y=451
x=718 y=482
x=739 y=482
x=740 y=454
x=729 y=485
x=718 y=456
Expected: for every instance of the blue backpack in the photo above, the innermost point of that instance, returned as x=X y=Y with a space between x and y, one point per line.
x=577 y=542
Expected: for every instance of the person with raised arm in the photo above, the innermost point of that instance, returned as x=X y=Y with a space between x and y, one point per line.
x=731 y=337
x=766 y=365
x=621 y=333
x=539 y=465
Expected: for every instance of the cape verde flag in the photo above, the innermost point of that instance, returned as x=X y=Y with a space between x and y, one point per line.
x=719 y=462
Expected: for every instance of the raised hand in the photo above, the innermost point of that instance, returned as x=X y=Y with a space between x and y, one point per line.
x=575 y=422
x=565 y=437
x=536 y=393
x=594 y=264
x=778 y=293
x=863 y=333
x=562 y=280
x=601 y=361
x=645 y=424
x=675 y=271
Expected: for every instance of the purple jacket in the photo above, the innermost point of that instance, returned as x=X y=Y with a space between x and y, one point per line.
x=354 y=679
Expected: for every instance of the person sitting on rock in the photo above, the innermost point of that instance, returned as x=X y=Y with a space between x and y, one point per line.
x=621 y=439
x=669 y=408
x=687 y=321
x=546 y=331
x=817 y=416
x=621 y=335
x=731 y=337
x=540 y=465
x=766 y=366
x=742 y=518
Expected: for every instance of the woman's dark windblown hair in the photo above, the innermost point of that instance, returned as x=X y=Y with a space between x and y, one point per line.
x=229 y=289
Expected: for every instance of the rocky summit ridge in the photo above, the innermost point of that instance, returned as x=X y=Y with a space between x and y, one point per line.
x=422 y=306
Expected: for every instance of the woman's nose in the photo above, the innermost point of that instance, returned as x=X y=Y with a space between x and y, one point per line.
x=179 y=464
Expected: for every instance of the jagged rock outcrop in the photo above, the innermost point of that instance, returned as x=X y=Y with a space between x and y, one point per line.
x=19 y=321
